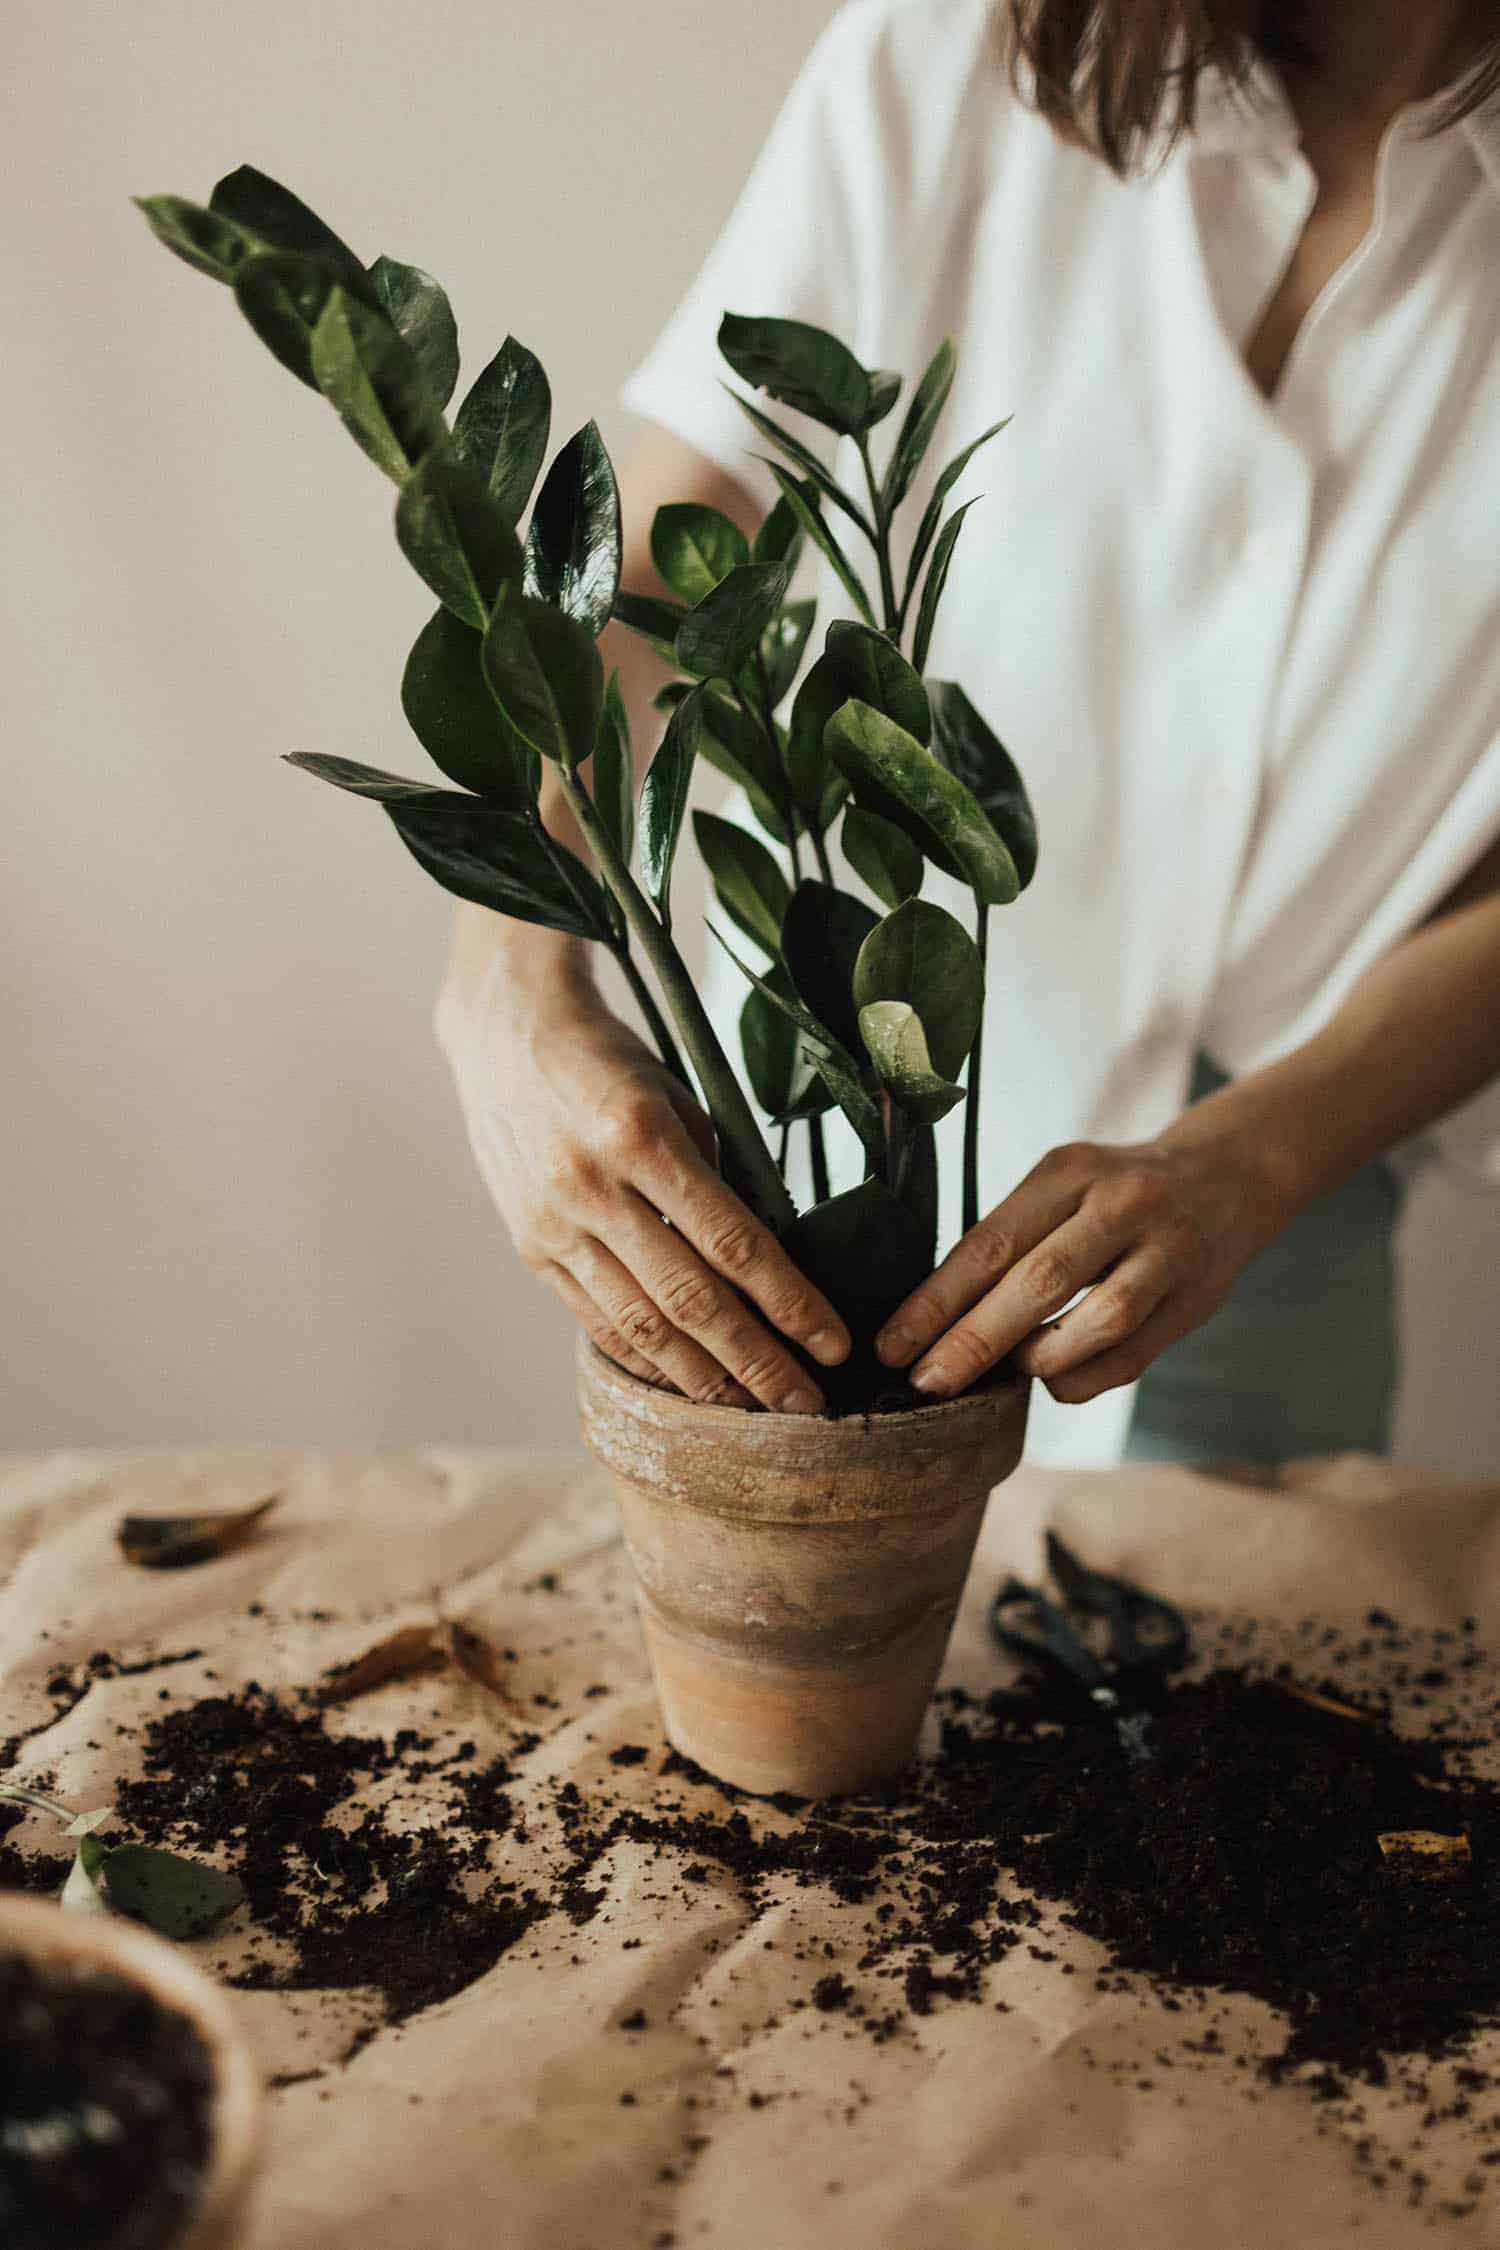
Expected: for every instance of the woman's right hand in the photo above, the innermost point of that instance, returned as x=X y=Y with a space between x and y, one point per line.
x=600 y=1163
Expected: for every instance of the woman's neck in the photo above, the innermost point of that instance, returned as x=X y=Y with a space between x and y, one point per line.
x=1374 y=59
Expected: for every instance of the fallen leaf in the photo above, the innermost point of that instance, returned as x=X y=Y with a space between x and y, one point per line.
x=413 y=1650
x=1425 y=1851
x=474 y=1657
x=1326 y=1703
x=177 y=1542
x=179 y=1897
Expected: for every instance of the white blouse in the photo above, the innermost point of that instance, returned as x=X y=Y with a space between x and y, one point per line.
x=1247 y=654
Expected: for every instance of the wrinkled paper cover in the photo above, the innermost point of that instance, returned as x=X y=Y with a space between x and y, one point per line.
x=494 y=2121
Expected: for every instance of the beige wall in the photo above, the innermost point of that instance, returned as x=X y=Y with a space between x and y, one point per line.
x=234 y=1192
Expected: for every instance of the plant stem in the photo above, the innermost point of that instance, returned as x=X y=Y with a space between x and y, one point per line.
x=656 y=1022
x=820 y=851
x=882 y=543
x=722 y=1093
x=783 y=1149
x=976 y=1057
x=12 y=1793
x=819 y=1154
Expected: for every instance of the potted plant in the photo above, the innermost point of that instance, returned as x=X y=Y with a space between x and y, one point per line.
x=797 y=1577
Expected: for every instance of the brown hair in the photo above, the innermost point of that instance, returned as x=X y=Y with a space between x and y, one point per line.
x=1112 y=74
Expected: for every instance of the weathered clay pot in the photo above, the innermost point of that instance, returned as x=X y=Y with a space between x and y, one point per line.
x=50 y=1933
x=797 y=1577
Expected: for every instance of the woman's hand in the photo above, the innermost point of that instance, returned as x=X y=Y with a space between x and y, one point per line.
x=589 y=1146
x=1162 y=1228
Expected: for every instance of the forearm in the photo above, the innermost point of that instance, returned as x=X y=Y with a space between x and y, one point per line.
x=1417 y=1036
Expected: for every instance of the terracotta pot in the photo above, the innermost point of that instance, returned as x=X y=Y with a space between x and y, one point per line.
x=797 y=1577
x=55 y=1934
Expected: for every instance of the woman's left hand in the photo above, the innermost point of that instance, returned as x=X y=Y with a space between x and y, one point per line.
x=1162 y=1228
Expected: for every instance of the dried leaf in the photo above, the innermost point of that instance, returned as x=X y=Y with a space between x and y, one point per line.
x=407 y=1654
x=1327 y=1703
x=1425 y=1851
x=177 y=1542
x=479 y=1662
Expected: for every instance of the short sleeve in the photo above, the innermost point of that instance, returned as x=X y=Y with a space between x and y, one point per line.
x=807 y=239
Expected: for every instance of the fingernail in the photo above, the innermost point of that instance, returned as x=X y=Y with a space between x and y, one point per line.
x=930 y=1381
x=801 y=1402
x=830 y=1345
x=894 y=1345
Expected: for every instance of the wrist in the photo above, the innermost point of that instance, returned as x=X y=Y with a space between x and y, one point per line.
x=514 y=974
x=1249 y=1130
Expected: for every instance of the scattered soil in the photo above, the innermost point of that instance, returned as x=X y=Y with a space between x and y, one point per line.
x=104 y=2109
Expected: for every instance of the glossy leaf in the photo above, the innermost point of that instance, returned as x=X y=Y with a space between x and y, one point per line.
x=921 y=420
x=207 y=240
x=282 y=295
x=802 y=457
x=655 y=620
x=821 y=935
x=873 y=669
x=368 y=375
x=719 y=636
x=573 y=544
x=180 y=1898
x=778 y=1062
x=891 y=774
x=885 y=389
x=421 y=315
x=804 y=367
x=695 y=548
x=261 y=205
x=456 y=538
x=499 y=859
x=897 y=1046
x=737 y=748
x=181 y=1542
x=664 y=797
x=779 y=538
x=783 y=644
x=865 y=1250
x=932 y=514
x=923 y=958
x=457 y=720
x=502 y=427
x=964 y=743
x=832 y=1060
x=937 y=579
x=803 y=502
x=372 y=781
x=882 y=855
x=543 y=670
x=614 y=771
x=747 y=881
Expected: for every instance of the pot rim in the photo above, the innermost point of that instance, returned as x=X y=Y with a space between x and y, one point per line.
x=48 y=1931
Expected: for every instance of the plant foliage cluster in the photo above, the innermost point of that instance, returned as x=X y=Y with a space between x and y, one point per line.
x=874 y=1014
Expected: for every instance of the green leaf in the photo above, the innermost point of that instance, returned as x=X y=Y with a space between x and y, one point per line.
x=747 y=881
x=783 y=644
x=502 y=426
x=897 y=1046
x=779 y=538
x=368 y=375
x=922 y=417
x=833 y=1061
x=81 y=1892
x=455 y=537
x=372 y=781
x=736 y=747
x=718 y=637
x=664 y=797
x=655 y=620
x=420 y=313
x=544 y=672
x=262 y=206
x=885 y=389
x=891 y=774
x=932 y=514
x=695 y=548
x=573 y=545
x=873 y=669
x=821 y=934
x=778 y=1060
x=937 y=579
x=458 y=722
x=974 y=755
x=803 y=457
x=282 y=294
x=179 y=1897
x=883 y=855
x=501 y=860
x=920 y=956
x=865 y=1250
x=207 y=240
x=803 y=502
x=614 y=771
x=85 y=1823
x=804 y=367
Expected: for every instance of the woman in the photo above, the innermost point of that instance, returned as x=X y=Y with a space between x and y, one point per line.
x=1232 y=597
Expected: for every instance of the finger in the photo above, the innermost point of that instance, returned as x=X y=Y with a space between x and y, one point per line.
x=700 y=1304
x=1127 y=1362
x=593 y=1322
x=975 y=1265
x=1038 y=1285
x=675 y=1181
x=635 y=1315
x=1108 y=1316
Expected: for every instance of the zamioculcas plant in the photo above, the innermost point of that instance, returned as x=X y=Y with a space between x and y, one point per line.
x=876 y=1014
